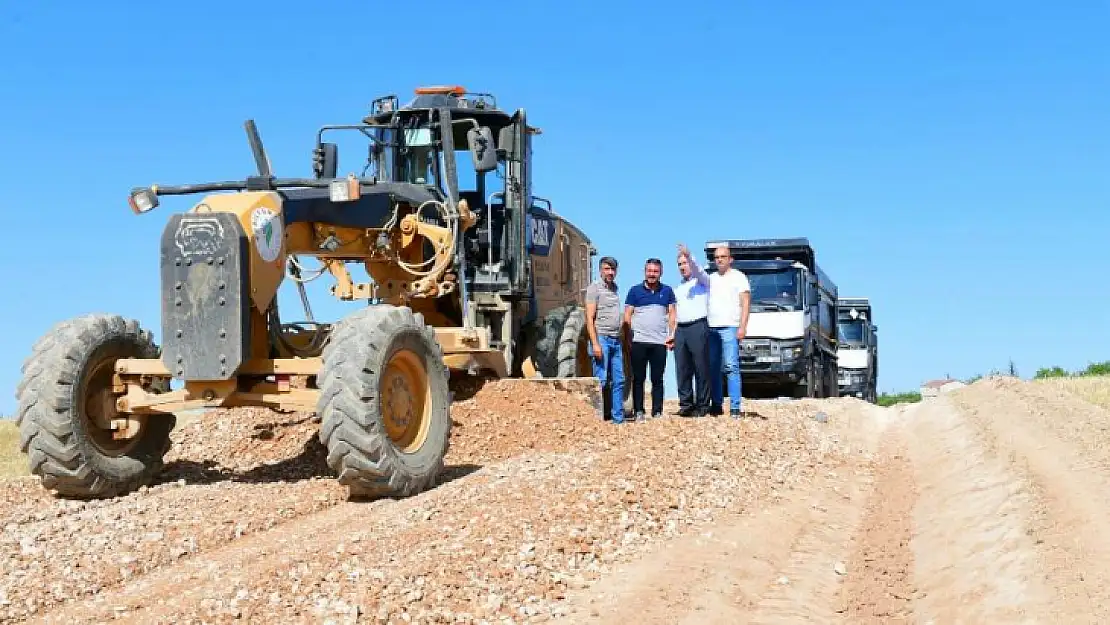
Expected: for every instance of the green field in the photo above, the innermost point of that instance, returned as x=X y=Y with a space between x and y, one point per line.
x=12 y=463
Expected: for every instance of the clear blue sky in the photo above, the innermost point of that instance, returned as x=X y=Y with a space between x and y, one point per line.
x=951 y=160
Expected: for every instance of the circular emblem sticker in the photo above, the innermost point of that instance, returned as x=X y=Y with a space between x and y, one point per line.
x=267 y=233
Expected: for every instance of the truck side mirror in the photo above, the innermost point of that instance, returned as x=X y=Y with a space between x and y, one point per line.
x=482 y=149
x=325 y=160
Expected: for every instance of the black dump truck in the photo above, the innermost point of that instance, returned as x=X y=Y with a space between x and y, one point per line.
x=790 y=347
x=858 y=349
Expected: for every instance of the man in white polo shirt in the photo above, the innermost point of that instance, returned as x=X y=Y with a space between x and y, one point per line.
x=729 y=306
x=691 y=339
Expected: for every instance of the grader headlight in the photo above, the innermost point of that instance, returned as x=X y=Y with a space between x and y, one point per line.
x=345 y=190
x=143 y=200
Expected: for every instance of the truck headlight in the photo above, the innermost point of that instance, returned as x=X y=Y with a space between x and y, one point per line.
x=790 y=353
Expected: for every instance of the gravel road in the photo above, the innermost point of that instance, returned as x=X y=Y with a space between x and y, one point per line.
x=983 y=505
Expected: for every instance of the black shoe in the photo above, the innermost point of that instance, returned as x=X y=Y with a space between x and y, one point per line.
x=716 y=411
x=686 y=412
x=734 y=413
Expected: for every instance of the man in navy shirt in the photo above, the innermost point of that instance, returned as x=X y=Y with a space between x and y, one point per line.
x=649 y=310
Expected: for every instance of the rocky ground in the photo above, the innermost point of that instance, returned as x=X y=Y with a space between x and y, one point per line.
x=984 y=505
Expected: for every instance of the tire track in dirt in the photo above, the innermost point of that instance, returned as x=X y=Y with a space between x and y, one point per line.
x=1064 y=469
x=878 y=586
x=719 y=575
x=975 y=561
x=455 y=552
x=772 y=565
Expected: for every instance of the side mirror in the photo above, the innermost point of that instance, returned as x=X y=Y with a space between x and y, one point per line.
x=505 y=142
x=325 y=160
x=482 y=149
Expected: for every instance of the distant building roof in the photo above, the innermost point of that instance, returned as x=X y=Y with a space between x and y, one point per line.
x=937 y=383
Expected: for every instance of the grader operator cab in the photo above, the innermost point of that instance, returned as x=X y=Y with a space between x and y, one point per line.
x=461 y=280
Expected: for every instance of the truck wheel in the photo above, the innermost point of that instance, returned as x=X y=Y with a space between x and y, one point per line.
x=831 y=388
x=66 y=405
x=810 y=386
x=384 y=403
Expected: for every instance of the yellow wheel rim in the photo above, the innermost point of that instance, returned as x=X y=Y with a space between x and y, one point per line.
x=406 y=401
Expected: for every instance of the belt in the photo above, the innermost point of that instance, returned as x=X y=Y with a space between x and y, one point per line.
x=686 y=324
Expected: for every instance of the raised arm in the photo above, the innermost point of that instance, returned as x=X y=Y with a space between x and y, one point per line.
x=699 y=273
x=695 y=267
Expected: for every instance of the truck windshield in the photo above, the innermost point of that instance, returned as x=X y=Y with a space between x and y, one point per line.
x=775 y=290
x=851 y=332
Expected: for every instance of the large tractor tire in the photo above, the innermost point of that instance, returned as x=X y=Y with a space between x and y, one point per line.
x=66 y=404
x=563 y=349
x=384 y=403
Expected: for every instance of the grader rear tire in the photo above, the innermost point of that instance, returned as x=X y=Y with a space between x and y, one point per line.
x=384 y=404
x=66 y=397
x=563 y=350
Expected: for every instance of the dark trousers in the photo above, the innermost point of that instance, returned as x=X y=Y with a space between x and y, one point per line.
x=691 y=357
x=642 y=355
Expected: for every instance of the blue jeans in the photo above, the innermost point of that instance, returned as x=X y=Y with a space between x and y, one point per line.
x=724 y=359
x=611 y=368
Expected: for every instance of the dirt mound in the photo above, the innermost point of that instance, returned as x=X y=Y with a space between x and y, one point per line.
x=251 y=444
x=497 y=420
x=505 y=418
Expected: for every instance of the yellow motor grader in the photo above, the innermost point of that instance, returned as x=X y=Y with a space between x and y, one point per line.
x=462 y=278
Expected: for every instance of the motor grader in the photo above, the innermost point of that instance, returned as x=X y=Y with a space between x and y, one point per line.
x=464 y=277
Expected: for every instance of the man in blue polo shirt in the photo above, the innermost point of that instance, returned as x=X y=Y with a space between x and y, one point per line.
x=649 y=309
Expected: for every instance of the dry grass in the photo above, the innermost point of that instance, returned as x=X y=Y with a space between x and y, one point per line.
x=1095 y=388
x=12 y=463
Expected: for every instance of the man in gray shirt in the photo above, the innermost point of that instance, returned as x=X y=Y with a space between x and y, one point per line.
x=603 y=323
x=649 y=309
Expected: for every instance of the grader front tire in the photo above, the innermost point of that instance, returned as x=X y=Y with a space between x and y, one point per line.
x=66 y=399
x=384 y=404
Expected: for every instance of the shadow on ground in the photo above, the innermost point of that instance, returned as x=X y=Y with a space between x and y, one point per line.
x=309 y=464
x=465 y=386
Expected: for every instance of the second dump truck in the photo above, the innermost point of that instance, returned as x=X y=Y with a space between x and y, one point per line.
x=790 y=346
x=857 y=349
